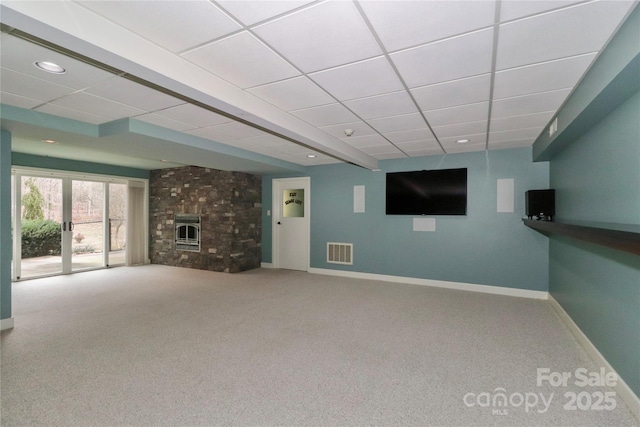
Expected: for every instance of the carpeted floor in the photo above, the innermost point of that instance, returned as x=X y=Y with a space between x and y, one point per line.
x=158 y=345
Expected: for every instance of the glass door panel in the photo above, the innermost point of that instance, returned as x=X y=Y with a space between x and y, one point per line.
x=41 y=226
x=87 y=225
x=117 y=227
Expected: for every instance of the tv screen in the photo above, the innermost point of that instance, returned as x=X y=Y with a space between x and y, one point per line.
x=433 y=192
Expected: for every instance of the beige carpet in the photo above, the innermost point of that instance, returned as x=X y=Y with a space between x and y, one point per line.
x=158 y=345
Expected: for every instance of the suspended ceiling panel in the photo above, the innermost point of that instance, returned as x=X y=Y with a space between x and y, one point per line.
x=285 y=79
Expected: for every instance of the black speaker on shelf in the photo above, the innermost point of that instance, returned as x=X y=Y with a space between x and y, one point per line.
x=540 y=204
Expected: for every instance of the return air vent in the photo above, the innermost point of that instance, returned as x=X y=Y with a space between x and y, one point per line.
x=340 y=253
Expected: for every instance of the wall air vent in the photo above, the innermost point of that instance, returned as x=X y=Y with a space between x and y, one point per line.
x=340 y=253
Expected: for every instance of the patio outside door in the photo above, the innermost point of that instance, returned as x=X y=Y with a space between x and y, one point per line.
x=87 y=225
x=63 y=225
x=40 y=211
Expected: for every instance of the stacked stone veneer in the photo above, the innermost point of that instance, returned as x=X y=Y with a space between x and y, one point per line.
x=229 y=204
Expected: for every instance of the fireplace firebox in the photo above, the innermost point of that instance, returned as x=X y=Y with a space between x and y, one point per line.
x=187 y=232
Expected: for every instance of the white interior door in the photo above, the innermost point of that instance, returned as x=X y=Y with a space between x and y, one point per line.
x=291 y=223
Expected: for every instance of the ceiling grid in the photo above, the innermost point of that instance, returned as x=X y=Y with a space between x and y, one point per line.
x=409 y=78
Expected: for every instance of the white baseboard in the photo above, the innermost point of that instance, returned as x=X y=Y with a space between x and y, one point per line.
x=266 y=265
x=497 y=290
x=6 y=323
x=622 y=388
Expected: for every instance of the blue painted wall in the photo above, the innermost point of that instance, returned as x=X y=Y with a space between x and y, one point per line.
x=597 y=178
x=483 y=247
x=5 y=225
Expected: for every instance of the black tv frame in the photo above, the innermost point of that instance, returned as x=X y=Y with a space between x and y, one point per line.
x=427 y=192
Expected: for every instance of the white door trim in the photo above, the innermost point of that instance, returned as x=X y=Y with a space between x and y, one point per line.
x=278 y=185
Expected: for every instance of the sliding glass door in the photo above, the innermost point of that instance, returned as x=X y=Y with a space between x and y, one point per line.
x=40 y=238
x=87 y=225
x=117 y=224
x=63 y=224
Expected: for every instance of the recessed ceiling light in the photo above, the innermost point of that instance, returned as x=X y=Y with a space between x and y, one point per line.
x=311 y=156
x=349 y=132
x=49 y=141
x=50 y=67
x=462 y=141
x=163 y=160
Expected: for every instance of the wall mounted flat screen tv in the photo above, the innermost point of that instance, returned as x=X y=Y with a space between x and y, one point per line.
x=432 y=192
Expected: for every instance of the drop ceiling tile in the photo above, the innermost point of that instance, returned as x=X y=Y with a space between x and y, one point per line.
x=98 y=106
x=510 y=10
x=460 y=114
x=134 y=94
x=174 y=25
x=30 y=87
x=322 y=36
x=401 y=24
x=366 y=78
x=528 y=104
x=465 y=148
x=359 y=128
x=288 y=158
x=397 y=154
x=576 y=30
x=266 y=140
x=390 y=104
x=164 y=122
x=460 y=129
x=293 y=94
x=326 y=115
x=293 y=149
x=195 y=116
x=547 y=76
x=474 y=139
x=428 y=144
x=366 y=141
x=446 y=60
x=213 y=133
x=250 y=13
x=398 y=123
x=380 y=149
x=266 y=151
x=409 y=135
x=237 y=130
x=292 y=159
x=257 y=65
x=302 y=161
x=454 y=93
x=425 y=152
x=521 y=122
x=19 y=55
x=60 y=111
x=529 y=134
x=18 y=101
x=241 y=143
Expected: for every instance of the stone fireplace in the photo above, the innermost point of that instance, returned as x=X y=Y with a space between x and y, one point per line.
x=205 y=218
